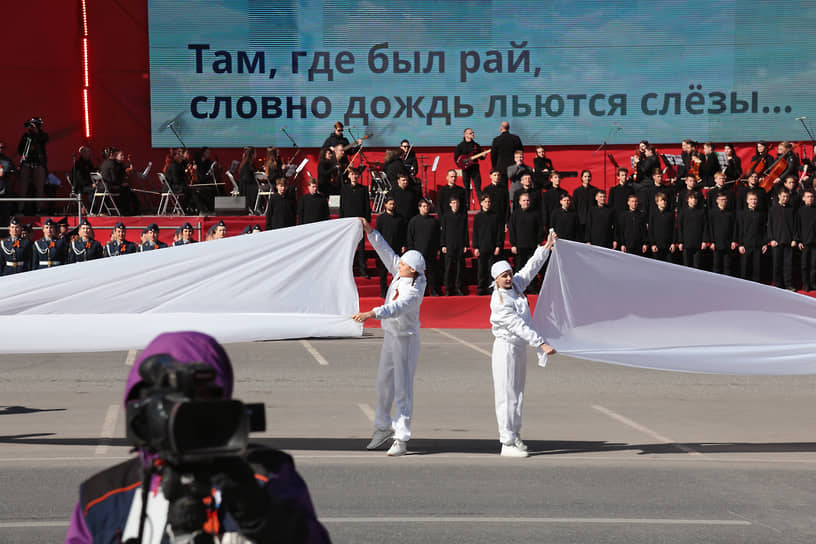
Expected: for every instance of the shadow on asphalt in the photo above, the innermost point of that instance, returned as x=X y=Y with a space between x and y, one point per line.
x=14 y=410
x=422 y=446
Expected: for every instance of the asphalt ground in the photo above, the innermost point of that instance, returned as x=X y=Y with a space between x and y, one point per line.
x=618 y=454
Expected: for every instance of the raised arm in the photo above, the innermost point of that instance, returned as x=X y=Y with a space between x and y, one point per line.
x=386 y=254
x=523 y=277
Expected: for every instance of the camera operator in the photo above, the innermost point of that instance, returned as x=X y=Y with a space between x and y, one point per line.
x=257 y=497
x=33 y=163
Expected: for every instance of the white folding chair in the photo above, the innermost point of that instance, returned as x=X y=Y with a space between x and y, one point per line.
x=264 y=192
x=168 y=196
x=103 y=200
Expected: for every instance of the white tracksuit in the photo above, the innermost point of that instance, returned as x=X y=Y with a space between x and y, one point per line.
x=400 y=352
x=510 y=318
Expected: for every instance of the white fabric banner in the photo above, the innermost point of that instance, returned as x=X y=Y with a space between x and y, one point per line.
x=287 y=283
x=607 y=306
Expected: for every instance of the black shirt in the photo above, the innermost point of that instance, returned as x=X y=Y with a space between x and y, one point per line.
x=600 y=227
x=312 y=208
x=392 y=228
x=488 y=231
x=423 y=235
x=525 y=228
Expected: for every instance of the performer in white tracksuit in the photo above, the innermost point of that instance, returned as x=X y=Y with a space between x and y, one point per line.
x=400 y=352
x=511 y=324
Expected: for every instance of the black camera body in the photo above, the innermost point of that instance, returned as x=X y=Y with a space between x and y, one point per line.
x=180 y=417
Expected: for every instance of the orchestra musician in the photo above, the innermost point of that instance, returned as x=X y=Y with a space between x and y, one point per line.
x=688 y=154
x=646 y=162
x=273 y=166
x=325 y=173
x=408 y=157
x=246 y=177
x=733 y=168
x=785 y=149
x=761 y=155
x=337 y=138
x=393 y=165
x=710 y=165
x=470 y=175
x=503 y=149
x=340 y=163
x=115 y=170
x=542 y=166
x=175 y=172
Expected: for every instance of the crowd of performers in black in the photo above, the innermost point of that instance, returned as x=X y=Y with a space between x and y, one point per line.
x=698 y=211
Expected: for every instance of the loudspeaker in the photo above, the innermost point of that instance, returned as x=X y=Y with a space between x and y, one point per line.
x=230 y=205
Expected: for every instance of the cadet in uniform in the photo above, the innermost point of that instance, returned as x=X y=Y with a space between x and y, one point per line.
x=119 y=245
x=186 y=235
x=16 y=250
x=152 y=241
x=49 y=250
x=84 y=248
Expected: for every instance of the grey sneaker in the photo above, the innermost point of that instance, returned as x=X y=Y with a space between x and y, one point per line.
x=519 y=444
x=511 y=450
x=379 y=438
x=399 y=447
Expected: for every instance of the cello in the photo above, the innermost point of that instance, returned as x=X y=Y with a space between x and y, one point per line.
x=776 y=169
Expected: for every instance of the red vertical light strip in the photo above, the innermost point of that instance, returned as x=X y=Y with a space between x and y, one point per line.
x=85 y=71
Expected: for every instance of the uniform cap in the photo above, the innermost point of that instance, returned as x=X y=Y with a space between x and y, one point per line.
x=499 y=268
x=415 y=260
x=49 y=223
x=153 y=226
x=119 y=225
x=14 y=221
x=85 y=222
x=186 y=226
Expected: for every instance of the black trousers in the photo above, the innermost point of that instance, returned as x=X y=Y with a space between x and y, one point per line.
x=782 y=265
x=432 y=273
x=722 y=261
x=691 y=256
x=472 y=176
x=809 y=266
x=521 y=258
x=483 y=264
x=662 y=254
x=454 y=271
x=360 y=259
x=749 y=263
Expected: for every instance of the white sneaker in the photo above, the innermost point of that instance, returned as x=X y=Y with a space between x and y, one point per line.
x=379 y=438
x=399 y=447
x=511 y=450
x=519 y=444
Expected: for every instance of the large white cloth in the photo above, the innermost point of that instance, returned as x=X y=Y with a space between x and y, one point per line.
x=287 y=283
x=608 y=306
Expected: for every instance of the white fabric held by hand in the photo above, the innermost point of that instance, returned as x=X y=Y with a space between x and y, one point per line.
x=608 y=306
x=287 y=283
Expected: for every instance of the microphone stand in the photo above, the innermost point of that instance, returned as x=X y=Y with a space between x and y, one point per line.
x=172 y=126
x=603 y=147
x=293 y=160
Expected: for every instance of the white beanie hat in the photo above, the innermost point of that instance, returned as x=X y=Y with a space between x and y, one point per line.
x=414 y=259
x=499 y=268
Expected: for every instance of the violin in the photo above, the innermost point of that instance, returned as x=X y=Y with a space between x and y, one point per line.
x=694 y=163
